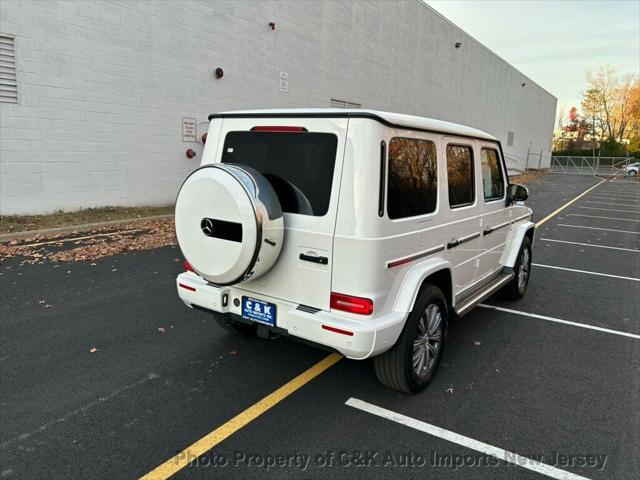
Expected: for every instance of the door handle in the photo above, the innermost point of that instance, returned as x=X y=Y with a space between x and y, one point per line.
x=453 y=243
x=314 y=259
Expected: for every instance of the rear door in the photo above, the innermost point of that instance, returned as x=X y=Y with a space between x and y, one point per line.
x=463 y=211
x=302 y=159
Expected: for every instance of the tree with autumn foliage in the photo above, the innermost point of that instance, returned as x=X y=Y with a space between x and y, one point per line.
x=611 y=100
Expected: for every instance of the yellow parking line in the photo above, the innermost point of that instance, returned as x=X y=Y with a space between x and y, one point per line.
x=206 y=443
x=555 y=212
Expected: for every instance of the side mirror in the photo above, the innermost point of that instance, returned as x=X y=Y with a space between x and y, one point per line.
x=517 y=193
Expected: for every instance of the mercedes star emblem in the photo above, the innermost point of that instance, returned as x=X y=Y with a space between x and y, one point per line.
x=207 y=226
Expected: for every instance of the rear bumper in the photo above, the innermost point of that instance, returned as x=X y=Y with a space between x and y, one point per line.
x=363 y=338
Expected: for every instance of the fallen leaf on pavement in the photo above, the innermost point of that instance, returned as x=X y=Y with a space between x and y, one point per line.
x=449 y=390
x=161 y=329
x=93 y=350
x=476 y=343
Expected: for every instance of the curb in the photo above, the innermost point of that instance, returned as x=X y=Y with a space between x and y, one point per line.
x=7 y=237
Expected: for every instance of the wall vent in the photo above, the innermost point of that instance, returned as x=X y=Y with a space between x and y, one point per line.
x=8 y=78
x=335 y=103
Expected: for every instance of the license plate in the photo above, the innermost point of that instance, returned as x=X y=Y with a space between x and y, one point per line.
x=259 y=311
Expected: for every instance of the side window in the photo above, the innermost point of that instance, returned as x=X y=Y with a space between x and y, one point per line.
x=492 y=178
x=412 y=177
x=460 y=175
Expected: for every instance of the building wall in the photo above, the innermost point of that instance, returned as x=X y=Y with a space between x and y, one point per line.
x=103 y=85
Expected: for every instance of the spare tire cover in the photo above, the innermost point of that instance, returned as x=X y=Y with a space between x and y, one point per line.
x=228 y=223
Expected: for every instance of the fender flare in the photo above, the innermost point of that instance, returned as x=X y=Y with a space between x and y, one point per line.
x=413 y=280
x=514 y=241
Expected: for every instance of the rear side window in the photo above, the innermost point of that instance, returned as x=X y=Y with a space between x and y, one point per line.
x=299 y=166
x=460 y=175
x=413 y=182
x=492 y=179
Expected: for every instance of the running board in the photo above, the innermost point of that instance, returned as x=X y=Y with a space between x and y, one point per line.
x=473 y=300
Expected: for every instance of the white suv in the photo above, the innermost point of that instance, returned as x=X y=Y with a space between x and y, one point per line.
x=632 y=169
x=361 y=231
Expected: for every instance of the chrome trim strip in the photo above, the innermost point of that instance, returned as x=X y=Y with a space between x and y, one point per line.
x=522 y=217
x=411 y=258
x=468 y=238
x=489 y=230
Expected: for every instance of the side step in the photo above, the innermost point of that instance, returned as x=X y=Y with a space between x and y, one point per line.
x=470 y=302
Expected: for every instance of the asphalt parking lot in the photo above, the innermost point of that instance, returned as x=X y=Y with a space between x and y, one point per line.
x=553 y=378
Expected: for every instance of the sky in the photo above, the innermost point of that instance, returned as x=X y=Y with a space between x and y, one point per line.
x=553 y=42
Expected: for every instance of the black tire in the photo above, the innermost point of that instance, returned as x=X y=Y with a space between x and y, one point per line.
x=395 y=367
x=516 y=288
x=633 y=173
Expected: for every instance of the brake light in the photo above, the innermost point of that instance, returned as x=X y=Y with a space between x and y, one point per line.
x=188 y=267
x=348 y=303
x=278 y=128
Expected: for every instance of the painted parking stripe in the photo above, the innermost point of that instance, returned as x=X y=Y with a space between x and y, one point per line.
x=599 y=228
x=559 y=320
x=590 y=245
x=609 y=203
x=611 y=209
x=606 y=218
x=586 y=272
x=557 y=211
x=464 y=441
x=206 y=443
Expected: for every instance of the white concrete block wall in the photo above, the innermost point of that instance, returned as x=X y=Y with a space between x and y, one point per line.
x=104 y=85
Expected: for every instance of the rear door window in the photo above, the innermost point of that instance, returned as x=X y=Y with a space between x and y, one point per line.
x=492 y=178
x=298 y=165
x=413 y=180
x=460 y=175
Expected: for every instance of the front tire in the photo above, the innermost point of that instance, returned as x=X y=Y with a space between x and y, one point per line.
x=517 y=287
x=411 y=363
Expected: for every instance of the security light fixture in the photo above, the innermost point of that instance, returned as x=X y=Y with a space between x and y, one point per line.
x=219 y=73
x=458 y=44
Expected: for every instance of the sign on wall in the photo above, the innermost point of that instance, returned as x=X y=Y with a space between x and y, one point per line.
x=188 y=129
x=284 y=82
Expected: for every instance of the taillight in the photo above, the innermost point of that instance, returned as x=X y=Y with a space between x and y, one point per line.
x=188 y=267
x=348 y=303
x=279 y=128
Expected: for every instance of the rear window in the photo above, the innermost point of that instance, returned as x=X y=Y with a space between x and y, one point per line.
x=299 y=166
x=413 y=177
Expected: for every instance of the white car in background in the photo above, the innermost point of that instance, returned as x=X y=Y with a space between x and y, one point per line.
x=632 y=170
x=361 y=231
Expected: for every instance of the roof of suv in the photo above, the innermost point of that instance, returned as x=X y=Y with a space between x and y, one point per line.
x=391 y=119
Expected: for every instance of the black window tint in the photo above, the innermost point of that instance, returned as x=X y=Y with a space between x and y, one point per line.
x=412 y=177
x=460 y=175
x=299 y=166
x=492 y=181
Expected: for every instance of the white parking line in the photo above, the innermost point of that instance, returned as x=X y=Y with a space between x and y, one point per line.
x=607 y=218
x=590 y=245
x=613 y=196
x=599 y=228
x=609 y=203
x=467 y=442
x=564 y=322
x=586 y=271
x=612 y=209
